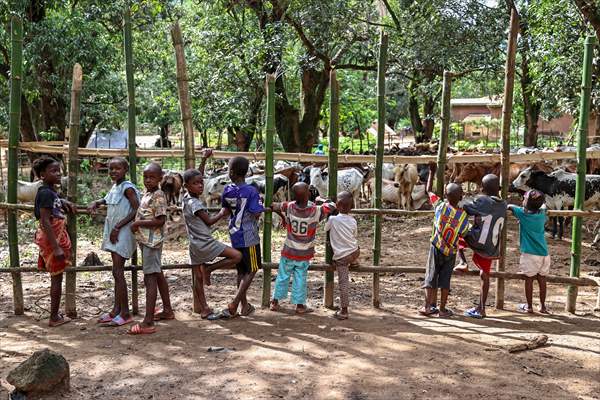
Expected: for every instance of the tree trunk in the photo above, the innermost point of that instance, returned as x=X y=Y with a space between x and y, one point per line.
x=413 y=110
x=531 y=107
x=27 y=129
x=428 y=119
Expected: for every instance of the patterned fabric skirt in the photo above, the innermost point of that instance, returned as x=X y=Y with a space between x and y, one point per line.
x=46 y=260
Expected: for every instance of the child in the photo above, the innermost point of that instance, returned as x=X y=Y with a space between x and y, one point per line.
x=535 y=261
x=148 y=228
x=301 y=218
x=484 y=237
x=203 y=247
x=343 y=231
x=52 y=236
x=122 y=202
x=449 y=223
x=243 y=204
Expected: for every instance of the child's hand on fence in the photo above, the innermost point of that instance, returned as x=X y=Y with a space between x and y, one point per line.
x=206 y=153
x=69 y=207
x=93 y=207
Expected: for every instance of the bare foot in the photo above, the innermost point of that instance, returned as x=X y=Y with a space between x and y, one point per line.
x=52 y=323
x=301 y=309
x=274 y=305
x=426 y=311
x=205 y=274
x=543 y=310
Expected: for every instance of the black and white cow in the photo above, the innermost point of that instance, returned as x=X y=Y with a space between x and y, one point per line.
x=280 y=184
x=559 y=188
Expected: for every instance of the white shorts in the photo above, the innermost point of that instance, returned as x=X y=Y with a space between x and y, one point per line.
x=531 y=265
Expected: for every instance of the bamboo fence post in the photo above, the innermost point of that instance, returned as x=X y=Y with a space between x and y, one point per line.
x=128 y=49
x=584 y=112
x=185 y=106
x=334 y=126
x=381 y=68
x=507 y=108
x=72 y=193
x=444 y=133
x=268 y=219
x=16 y=75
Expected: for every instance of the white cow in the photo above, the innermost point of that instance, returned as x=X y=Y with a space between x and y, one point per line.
x=213 y=188
x=349 y=180
x=407 y=176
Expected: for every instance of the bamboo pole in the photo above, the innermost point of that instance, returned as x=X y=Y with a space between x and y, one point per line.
x=131 y=128
x=507 y=108
x=72 y=192
x=183 y=89
x=16 y=75
x=381 y=68
x=584 y=112
x=268 y=219
x=334 y=129
x=444 y=133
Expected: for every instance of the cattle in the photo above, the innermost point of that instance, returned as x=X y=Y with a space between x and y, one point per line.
x=349 y=180
x=213 y=188
x=407 y=176
x=389 y=191
x=559 y=189
x=171 y=185
x=280 y=184
x=26 y=191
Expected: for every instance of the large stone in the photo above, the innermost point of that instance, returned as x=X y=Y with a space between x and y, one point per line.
x=44 y=371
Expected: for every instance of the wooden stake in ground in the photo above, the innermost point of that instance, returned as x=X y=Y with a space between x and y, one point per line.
x=334 y=129
x=584 y=113
x=507 y=108
x=16 y=73
x=381 y=68
x=268 y=220
x=131 y=145
x=72 y=193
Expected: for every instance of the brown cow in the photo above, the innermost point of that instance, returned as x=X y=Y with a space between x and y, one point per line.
x=474 y=172
x=171 y=185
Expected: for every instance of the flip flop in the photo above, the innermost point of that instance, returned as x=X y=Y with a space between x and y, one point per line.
x=249 y=310
x=226 y=314
x=427 y=313
x=339 y=316
x=138 y=329
x=63 y=320
x=305 y=310
x=104 y=318
x=161 y=316
x=473 y=313
x=273 y=306
x=523 y=308
x=212 y=316
x=446 y=314
x=118 y=321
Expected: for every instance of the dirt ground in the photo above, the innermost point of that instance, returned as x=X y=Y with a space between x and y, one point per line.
x=386 y=353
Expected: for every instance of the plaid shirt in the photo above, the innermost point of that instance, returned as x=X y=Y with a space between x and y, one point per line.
x=449 y=224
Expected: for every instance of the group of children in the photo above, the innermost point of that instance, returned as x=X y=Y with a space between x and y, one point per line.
x=452 y=234
x=137 y=220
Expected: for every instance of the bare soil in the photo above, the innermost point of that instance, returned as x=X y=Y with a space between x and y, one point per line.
x=386 y=353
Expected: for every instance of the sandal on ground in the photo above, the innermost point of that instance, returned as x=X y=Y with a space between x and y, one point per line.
x=524 y=308
x=274 y=306
x=424 y=312
x=544 y=311
x=446 y=314
x=473 y=313
x=104 y=318
x=339 y=316
x=248 y=311
x=434 y=309
x=212 y=316
x=226 y=314
x=118 y=321
x=159 y=316
x=305 y=310
x=138 y=329
x=63 y=320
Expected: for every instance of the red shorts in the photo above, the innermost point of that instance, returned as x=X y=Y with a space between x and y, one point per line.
x=481 y=262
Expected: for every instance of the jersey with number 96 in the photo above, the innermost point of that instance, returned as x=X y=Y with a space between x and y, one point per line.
x=490 y=215
x=301 y=224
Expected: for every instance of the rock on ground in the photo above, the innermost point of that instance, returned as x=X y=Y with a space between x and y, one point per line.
x=44 y=371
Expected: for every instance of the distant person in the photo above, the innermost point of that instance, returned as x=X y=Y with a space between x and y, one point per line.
x=149 y=231
x=122 y=202
x=301 y=218
x=51 y=236
x=483 y=238
x=319 y=150
x=535 y=260
x=449 y=223
x=343 y=233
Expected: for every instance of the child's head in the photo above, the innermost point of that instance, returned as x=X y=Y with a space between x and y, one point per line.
x=454 y=193
x=301 y=192
x=193 y=181
x=48 y=169
x=344 y=203
x=533 y=200
x=238 y=168
x=490 y=185
x=117 y=168
x=153 y=174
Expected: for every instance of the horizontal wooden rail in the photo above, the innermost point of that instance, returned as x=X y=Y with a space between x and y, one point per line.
x=357 y=211
x=395 y=269
x=42 y=147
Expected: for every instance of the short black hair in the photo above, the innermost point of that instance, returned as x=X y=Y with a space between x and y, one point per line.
x=154 y=167
x=239 y=166
x=120 y=160
x=534 y=200
x=190 y=174
x=41 y=164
